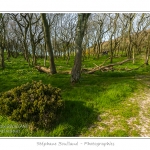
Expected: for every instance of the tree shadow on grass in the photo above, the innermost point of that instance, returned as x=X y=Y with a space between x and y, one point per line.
x=76 y=117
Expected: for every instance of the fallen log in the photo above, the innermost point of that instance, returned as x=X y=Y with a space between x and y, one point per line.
x=86 y=70
x=107 y=67
x=43 y=69
x=127 y=69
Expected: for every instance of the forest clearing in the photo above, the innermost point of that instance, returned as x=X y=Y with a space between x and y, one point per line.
x=74 y=75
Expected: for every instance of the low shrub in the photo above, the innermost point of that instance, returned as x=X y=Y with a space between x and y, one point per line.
x=34 y=103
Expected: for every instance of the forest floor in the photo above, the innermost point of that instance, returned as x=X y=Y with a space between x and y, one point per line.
x=102 y=104
x=138 y=125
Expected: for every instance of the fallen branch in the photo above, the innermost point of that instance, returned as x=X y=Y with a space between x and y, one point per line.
x=127 y=69
x=86 y=70
x=43 y=69
x=107 y=67
x=96 y=65
x=105 y=61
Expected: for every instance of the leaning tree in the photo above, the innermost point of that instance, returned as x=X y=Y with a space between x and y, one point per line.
x=80 y=30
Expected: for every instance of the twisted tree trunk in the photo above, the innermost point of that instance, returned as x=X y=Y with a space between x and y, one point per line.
x=80 y=30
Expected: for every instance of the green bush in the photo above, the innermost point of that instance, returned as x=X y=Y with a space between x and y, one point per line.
x=33 y=103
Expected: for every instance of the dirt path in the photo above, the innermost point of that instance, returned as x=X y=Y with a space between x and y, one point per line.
x=144 y=115
x=141 y=123
x=143 y=101
x=117 y=122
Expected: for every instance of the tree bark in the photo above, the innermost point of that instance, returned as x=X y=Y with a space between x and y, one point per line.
x=45 y=54
x=2 y=40
x=43 y=69
x=33 y=45
x=48 y=43
x=80 y=30
x=2 y=58
x=147 y=56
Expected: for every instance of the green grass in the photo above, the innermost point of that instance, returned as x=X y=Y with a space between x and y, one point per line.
x=96 y=94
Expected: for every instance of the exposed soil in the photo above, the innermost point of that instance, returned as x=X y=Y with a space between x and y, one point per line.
x=143 y=100
x=139 y=124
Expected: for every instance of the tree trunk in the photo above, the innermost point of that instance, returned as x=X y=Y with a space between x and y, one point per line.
x=129 y=35
x=48 y=43
x=34 y=56
x=26 y=53
x=147 y=56
x=8 y=51
x=80 y=30
x=111 y=50
x=133 y=55
x=43 y=69
x=33 y=53
x=33 y=45
x=45 y=54
x=2 y=58
x=147 y=52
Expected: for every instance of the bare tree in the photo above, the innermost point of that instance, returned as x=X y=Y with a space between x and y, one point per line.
x=80 y=30
x=47 y=38
x=35 y=32
x=100 y=27
x=22 y=28
x=66 y=34
x=130 y=17
x=2 y=40
x=112 y=39
x=3 y=34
